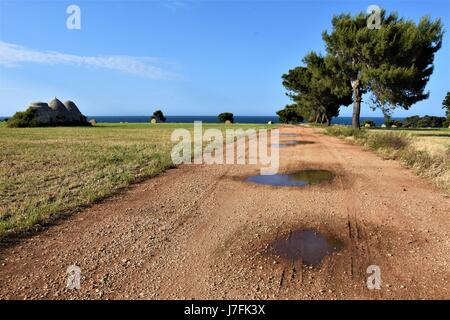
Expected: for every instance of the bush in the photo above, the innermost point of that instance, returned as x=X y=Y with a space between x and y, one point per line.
x=369 y=123
x=223 y=117
x=431 y=122
x=346 y=131
x=412 y=122
x=425 y=122
x=396 y=123
x=23 y=119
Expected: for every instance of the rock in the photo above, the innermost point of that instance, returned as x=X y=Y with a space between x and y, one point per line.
x=383 y=126
x=270 y=122
x=227 y=122
x=93 y=122
x=153 y=120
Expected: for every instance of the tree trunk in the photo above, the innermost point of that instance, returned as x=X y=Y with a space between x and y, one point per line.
x=356 y=103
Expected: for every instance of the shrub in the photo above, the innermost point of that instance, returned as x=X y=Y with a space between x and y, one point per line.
x=387 y=140
x=369 y=123
x=431 y=122
x=425 y=122
x=223 y=117
x=23 y=119
x=346 y=131
x=396 y=123
x=412 y=122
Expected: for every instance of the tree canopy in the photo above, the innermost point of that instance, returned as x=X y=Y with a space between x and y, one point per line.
x=290 y=114
x=159 y=116
x=393 y=63
x=317 y=91
x=224 y=116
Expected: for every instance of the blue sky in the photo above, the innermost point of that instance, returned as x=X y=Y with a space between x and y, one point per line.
x=185 y=57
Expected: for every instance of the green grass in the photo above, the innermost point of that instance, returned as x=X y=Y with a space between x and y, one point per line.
x=46 y=172
x=426 y=151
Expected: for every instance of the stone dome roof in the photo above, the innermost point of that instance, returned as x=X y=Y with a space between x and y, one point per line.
x=57 y=105
x=39 y=104
x=72 y=107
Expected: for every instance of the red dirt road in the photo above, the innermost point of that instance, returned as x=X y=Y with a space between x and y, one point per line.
x=200 y=231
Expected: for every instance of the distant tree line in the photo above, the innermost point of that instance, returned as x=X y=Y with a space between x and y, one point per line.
x=418 y=121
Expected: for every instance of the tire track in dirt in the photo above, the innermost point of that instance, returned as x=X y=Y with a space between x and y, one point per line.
x=201 y=232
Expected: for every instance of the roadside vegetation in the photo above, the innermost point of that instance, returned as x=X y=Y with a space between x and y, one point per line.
x=47 y=172
x=426 y=151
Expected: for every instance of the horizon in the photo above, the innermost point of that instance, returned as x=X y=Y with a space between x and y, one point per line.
x=201 y=56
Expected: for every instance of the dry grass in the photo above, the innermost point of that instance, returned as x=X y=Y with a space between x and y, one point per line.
x=427 y=152
x=45 y=172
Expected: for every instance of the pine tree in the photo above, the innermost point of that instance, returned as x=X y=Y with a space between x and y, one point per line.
x=392 y=63
x=316 y=89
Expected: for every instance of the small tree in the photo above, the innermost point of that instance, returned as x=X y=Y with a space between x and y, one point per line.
x=290 y=114
x=223 y=117
x=158 y=116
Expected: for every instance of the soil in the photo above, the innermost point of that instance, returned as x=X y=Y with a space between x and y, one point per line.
x=203 y=232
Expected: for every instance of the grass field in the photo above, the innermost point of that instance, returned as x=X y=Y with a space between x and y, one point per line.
x=434 y=141
x=45 y=172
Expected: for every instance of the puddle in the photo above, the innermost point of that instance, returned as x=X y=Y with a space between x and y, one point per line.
x=290 y=143
x=306 y=245
x=300 y=178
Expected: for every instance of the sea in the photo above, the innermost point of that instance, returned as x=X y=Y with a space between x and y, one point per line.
x=213 y=119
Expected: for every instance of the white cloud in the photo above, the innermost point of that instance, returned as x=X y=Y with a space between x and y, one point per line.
x=12 y=55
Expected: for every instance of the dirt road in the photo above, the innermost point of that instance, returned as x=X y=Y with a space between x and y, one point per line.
x=202 y=232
